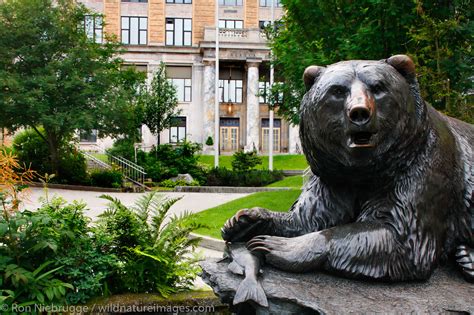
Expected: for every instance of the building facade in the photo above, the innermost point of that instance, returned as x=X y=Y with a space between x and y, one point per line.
x=182 y=34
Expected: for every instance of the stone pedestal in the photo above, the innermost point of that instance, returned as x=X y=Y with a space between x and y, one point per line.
x=253 y=110
x=317 y=293
x=209 y=93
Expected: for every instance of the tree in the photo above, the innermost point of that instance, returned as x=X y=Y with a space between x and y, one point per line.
x=160 y=103
x=323 y=32
x=53 y=76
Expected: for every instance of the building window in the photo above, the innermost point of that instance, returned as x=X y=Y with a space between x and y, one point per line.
x=230 y=2
x=88 y=136
x=231 y=24
x=183 y=89
x=178 y=131
x=93 y=28
x=266 y=133
x=134 y=30
x=264 y=92
x=178 y=32
x=230 y=91
x=179 y=1
x=268 y=3
x=263 y=24
x=181 y=76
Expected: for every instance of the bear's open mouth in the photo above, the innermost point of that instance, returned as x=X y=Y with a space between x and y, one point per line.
x=361 y=139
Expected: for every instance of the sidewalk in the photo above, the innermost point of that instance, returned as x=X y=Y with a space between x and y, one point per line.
x=192 y=202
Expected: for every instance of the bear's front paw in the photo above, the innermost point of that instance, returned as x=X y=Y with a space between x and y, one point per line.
x=245 y=224
x=297 y=254
x=465 y=259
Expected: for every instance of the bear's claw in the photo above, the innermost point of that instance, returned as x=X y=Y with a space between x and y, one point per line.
x=465 y=260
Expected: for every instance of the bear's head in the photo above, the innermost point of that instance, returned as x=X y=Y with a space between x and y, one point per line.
x=359 y=116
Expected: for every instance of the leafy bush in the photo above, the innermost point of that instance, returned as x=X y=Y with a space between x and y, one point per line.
x=209 y=141
x=85 y=263
x=165 y=162
x=244 y=161
x=54 y=255
x=254 y=178
x=154 y=256
x=107 y=178
x=31 y=149
x=172 y=184
x=125 y=148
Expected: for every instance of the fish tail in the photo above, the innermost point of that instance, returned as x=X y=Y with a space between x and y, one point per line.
x=250 y=289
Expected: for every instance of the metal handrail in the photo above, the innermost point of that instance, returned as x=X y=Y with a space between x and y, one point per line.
x=128 y=168
x=131 y=171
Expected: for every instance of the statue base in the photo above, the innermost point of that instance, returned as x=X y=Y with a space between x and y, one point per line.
x=319 y=293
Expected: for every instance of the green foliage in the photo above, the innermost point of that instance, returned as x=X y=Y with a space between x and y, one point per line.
x=52 y=75
x=168 y=183
x=155 y=255
x=252 y=178
x=438 y=35
x=244 y=161
x=107 y=178
x=159 y=102
x=32 y=150
x=209 y=141
x=167 y=161
x=85 y=265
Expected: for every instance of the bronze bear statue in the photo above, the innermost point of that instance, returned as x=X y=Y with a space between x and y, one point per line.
x=392 y=191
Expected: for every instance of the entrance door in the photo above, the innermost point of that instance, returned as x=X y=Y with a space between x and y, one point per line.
x=276 y=139
x=229 y=139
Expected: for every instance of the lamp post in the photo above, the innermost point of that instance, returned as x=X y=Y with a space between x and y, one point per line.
x=216 y=93
x=270 y=127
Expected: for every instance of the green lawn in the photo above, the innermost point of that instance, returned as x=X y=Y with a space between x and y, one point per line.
x=280 y=162
x=215 y=218
x=291 y=181
x=100 y=156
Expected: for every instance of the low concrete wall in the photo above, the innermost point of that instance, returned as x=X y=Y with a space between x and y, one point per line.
x=209 y=242
x=76 y=187
x=293 y=172
x=226 y=189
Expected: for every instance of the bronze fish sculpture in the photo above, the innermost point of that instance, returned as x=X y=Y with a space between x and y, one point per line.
x=244 y=263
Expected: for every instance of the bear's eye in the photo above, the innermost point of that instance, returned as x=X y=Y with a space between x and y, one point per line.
x=377 y=89
x=338 y=91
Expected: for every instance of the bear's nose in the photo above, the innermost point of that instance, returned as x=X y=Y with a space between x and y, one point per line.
x=359 y=115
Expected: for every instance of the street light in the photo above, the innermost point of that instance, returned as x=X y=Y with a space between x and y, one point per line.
x=216 y=93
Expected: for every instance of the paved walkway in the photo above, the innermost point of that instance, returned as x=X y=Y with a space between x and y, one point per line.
x=192 y=202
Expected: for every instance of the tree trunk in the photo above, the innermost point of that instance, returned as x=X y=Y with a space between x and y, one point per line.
x=53 y=145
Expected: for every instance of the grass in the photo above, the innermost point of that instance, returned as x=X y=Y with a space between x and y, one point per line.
x=215 y=218
x=280 y=162
x=100 y=156
x=291 y=181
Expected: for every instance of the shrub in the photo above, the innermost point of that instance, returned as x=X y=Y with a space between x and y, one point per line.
x=107 y=178
x=244 y=161
x=154 y=256
x=254 y=178
x=168 y=183
x=125 y=148
x=165 y=162
x=32 y=150
x=209 y=141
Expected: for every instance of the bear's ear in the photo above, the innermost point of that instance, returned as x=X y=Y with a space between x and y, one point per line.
x=310 y=75
x=403 y=64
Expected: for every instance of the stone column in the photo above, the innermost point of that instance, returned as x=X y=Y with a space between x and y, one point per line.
x=253 y=110
x=208 y=96
x=294 y=140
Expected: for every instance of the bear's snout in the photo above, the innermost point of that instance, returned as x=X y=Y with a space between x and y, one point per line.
x=360 y=115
